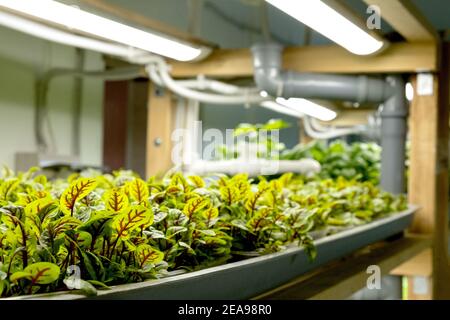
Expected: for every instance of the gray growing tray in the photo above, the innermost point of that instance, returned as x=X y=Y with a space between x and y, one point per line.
x=248 y=278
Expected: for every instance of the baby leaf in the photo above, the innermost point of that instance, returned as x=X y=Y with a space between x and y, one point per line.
x=41 y=179
x=194 y=205
x=197 y=181
x=210 y=214
x=285 y=178
x=259 y=220
x=173 y=189
x=229 y=193
x=61 y=225
x=239 y=224
x=8 y=187
x=154 y=234
x=131 y=219
x=79 y=189
x=210 y=233
x=116 y=200
x=62 y=253
x=36 y=206
x=43 y=272
x=146 y=254
x=178 y=180
x=243 y=186
x=276 y=186
x=186 y=246
x=160 y=216
x=83 y=239
x=252 y=200
x=99 y=224
x=179 y=218
x=24 y=199
x=16 y=276
x=87 y=259
x=171 y=231
x=139 y=191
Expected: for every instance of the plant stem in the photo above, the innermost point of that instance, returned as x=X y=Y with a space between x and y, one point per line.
x=121 y=252
x=94 y=239
x=103 y=247
x=10 y=264
x=113 y=247
x=24 y=252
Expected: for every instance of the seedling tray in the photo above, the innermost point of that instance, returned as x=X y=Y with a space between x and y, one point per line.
x=250 y=277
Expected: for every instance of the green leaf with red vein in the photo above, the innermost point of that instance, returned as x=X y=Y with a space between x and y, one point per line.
x=210 y=213
x=253 y=199
x=194 y=205
x=131 y=219
x=7 y=187
x=79 y=189
x=147 y=254
x=116 y=200
x=139 y=191
x=38 y=273
x=229 y=193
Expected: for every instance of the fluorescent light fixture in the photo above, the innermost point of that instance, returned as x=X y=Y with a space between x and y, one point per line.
x=85 y=22
x=51 y=34
x=308 y=107
x=409 y=91
x=327 y=21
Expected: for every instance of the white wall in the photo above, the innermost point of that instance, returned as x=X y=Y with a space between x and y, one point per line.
x=22 y=58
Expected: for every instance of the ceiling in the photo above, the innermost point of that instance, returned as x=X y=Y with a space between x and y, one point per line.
x=237 y=23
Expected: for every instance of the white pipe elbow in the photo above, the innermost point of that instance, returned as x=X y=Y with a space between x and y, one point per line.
x=254 y=167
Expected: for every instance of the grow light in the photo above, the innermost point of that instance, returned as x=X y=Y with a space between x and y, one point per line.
x=308 y=107
x=76 y=19
x=330 y=23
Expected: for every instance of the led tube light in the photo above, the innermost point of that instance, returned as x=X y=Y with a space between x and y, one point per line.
x=330 y=23
x=76 y=19
x=272 y=105
x=308 y=107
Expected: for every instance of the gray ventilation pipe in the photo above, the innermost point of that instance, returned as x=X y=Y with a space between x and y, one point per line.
x=393 y=138
x=269 y=76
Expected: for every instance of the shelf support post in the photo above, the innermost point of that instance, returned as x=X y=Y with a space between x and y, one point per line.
x=428 y=176
x=160 y=124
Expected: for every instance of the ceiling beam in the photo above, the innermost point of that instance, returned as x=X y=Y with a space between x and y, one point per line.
x=397 y=58
x=406 y=19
